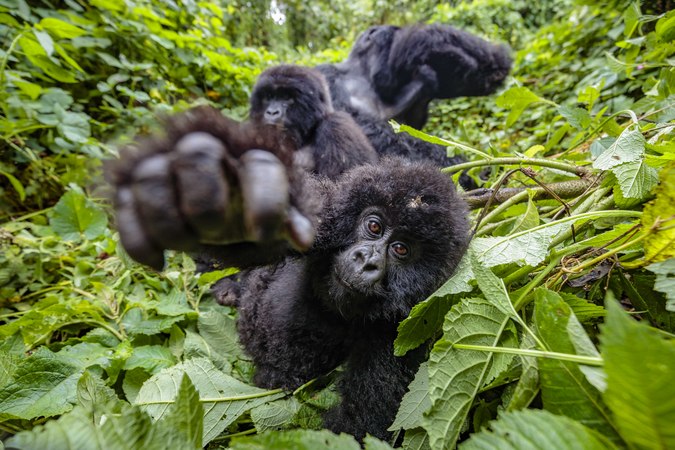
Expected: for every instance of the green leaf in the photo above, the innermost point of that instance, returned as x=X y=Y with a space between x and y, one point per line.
x=223 y=397
x=275 y=415
x=45 y=41
x=416 y=439
x=182 y=427
x=534 y=429
x=528 y=383
x=73 y=126
x=665 y=280
x=61 y=29
x=517 y=99
x=529 y=219
x=75 y=216
x=44 y=385
x=455 y=376
x=152 y=358
x=628 y=147
x=564 y=388
x=636 y=179
x=660 y=245
x=296 y=440
x=421 y=324
x=415 y=402
x=529 y=247
x=577 y=117
x=665 y=27
x=582 y=309
x=640 y=365
x=631 y=18
x=16 y=184
x=220 y=333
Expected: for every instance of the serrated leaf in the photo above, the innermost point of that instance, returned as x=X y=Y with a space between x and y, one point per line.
x=275 y=415
x=296 y=440
x=43 y=385
x=628 y=147
x=636 y=179
x=74 y=216
x=220 y=333
x=152 y=358
x=416 y=439
x=528 y=247
x=665 y=280
x=455 y=375
x=583 y=310
x=226 y=397
x=577 y=117
x=415 y=402
x=421 y=324
x=183 y=426
x=660 y=245
x=640 y=365
x=517 y=99
x=564 y=388
x=536 y=429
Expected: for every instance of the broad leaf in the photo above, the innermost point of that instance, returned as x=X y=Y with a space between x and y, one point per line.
x=636 y=179
x=565 y=389
x=660 y=245
x=665 y=280
x=629 y=146
x=455 y=375
x=43 y=385
x=517 y=99
x=415 y=402
x=640 y=365
x=297 y=440
x=76 y=216
x=533 y=429
x=224 y=398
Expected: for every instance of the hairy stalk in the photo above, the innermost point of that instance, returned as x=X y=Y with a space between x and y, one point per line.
x=565 y=167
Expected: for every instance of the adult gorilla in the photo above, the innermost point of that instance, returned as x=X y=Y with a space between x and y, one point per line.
x=394 y=72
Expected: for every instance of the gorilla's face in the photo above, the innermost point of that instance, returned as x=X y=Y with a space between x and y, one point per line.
x=368 y=267
x=393 y=233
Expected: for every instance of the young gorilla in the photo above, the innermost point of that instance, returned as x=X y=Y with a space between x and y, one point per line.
x=296 y=100
x=387 y=235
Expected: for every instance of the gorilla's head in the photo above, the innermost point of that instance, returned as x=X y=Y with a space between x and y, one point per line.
x=395 y=232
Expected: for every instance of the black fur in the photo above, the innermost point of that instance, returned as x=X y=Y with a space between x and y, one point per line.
x=329 y=141
x=393 y=72
x=299 y=318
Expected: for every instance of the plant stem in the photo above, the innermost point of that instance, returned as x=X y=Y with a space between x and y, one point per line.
x=566 y=167
x=236 y=398
x=586 y=360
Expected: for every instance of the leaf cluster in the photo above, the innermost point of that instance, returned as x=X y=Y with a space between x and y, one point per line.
x=555 y=332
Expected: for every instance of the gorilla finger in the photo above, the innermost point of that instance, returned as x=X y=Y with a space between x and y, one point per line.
x=202 y=185
x=300 y=230
x=156 y=200
x=264 y=187
x=134 y=239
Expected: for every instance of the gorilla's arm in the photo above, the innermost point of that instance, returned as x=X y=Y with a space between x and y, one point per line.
x=211 y=183
x=373 y=384
x=393 y=73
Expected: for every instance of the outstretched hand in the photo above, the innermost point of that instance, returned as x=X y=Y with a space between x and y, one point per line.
x=213 y=181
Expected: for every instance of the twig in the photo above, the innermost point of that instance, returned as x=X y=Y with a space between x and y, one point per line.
x=563 y=189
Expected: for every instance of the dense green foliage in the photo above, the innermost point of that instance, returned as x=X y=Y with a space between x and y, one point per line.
x=534 y=341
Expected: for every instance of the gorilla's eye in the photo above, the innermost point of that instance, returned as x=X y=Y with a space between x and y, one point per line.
x=374 y=226
x=400 y=249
